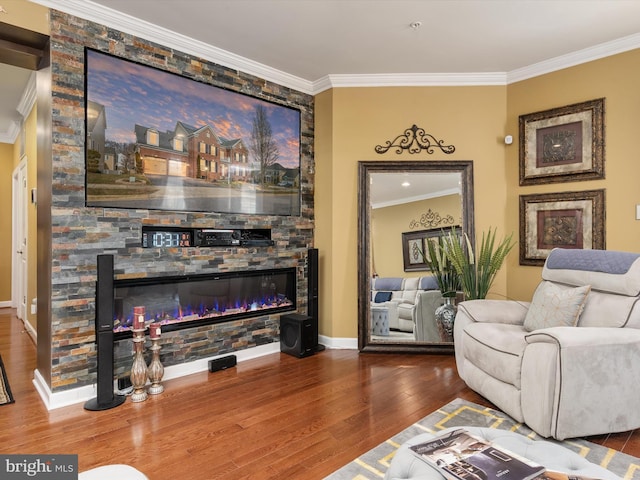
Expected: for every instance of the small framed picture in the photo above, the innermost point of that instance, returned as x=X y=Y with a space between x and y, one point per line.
x=563 y=144
x=414 y=246
x=560 y=220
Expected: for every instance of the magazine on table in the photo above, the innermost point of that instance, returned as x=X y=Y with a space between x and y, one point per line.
x=463 y=456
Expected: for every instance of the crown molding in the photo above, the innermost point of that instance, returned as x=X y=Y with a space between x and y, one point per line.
x=11 y=134
x=143 y=29
x=28 y=99
x=409 y=80
x=417 y=198
x=322 y=84
x=572 y=59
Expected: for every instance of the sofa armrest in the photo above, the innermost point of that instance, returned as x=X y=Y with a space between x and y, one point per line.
x=581 y=380
x=585 y=337
x=400 y=301
x=426 y=329
x=494 y=311
x=488 y=311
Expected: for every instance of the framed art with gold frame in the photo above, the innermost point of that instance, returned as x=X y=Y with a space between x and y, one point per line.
x=563 y=144
x=560 y=220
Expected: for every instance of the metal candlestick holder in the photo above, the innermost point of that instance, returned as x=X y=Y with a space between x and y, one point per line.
x=155 y=371
x=139 y=367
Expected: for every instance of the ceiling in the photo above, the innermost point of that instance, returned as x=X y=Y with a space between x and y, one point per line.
x=308 y=40
x=13 y=85
x=389 y=188
x=312 y=45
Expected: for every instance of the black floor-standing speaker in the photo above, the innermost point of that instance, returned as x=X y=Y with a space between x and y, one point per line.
x=106 y=398
x=312 y=296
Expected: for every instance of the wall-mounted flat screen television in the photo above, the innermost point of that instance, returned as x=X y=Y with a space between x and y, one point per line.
x=161 y=141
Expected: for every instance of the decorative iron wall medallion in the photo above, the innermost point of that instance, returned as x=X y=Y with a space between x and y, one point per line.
x=415 y=140
x=431 y=219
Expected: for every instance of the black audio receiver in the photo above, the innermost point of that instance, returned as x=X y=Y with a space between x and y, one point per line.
x=211 y=237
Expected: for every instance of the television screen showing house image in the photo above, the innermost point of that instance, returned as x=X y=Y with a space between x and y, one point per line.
x=160 y=141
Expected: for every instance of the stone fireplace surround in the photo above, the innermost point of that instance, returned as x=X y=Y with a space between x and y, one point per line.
x=66 y=371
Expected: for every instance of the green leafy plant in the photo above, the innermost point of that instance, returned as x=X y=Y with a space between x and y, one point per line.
x=438 y=261
x=477 y=271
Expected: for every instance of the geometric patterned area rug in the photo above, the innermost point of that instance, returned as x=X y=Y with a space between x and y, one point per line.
x=5 y=390
x=373 y=464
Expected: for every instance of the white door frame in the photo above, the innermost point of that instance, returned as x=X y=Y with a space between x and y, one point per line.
x=19 y=271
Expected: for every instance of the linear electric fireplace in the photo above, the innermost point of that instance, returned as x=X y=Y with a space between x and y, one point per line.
x=192 y=300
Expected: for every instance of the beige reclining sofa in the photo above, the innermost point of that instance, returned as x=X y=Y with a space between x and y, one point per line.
x=567 y=363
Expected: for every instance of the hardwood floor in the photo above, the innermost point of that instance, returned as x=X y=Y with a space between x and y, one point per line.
x=272 y=417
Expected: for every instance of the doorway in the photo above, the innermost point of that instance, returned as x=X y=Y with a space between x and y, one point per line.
x=23 y=53
x=19 y=271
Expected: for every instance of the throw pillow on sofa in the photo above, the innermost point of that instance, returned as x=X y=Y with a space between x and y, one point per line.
x=553 y=306
x=382 y=297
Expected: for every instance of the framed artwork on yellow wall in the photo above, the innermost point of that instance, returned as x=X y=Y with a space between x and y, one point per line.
x=563 y=144
x=560 y=220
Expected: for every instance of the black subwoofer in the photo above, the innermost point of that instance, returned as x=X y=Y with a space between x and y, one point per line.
x=298 y=335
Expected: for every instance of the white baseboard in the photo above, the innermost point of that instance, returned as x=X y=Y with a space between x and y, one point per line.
x=338 y=343
x=82 y=394
x=6 y=304
x=61 y=399
x=31 y=331
x=202 y=365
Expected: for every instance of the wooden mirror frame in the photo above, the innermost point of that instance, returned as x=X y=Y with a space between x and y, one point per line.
x=365 y=168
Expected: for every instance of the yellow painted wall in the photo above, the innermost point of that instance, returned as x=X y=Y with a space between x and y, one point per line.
x=470 y=118
x=10 y=158
x=6 y=173
x=31 y=153
x=615 y=78
x=25 y=14
x=323 y=209
x=388 y=224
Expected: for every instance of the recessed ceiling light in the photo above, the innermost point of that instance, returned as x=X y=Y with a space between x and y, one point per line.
x=406 y=184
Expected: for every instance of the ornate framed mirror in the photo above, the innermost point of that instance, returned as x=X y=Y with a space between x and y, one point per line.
x=404 y=201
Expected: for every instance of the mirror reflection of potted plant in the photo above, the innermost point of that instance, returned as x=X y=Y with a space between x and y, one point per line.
x=448 y=280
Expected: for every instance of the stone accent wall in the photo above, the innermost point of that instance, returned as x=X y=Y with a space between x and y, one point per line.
x=79 y=233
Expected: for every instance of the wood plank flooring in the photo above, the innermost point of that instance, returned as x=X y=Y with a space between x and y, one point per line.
x=272 y=417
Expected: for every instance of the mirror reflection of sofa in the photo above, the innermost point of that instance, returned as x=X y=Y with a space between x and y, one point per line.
x=410 y=304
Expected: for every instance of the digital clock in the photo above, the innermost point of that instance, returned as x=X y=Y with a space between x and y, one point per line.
x=166 y=237
x=176 y=237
